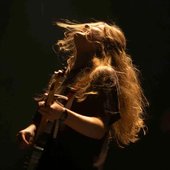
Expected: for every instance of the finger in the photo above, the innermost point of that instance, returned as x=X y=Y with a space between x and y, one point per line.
x=24 y=138
x=31 y=139
x=41 y=103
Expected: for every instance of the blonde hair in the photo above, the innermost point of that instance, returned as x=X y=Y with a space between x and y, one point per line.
x=111 y=53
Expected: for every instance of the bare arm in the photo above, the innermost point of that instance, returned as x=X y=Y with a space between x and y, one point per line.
x=89 y=126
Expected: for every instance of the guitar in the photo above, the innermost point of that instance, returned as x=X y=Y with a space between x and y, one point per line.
x=46 y=128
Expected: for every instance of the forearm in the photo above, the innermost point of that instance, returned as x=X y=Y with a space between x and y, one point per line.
x=89 y=126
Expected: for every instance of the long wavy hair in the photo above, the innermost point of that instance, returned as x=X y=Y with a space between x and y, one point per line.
x=111 y=53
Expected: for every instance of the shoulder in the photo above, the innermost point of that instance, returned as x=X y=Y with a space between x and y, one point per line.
x=103 y=72
x=104 y=75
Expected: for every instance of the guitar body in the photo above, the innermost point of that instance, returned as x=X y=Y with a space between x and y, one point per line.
x=36 y=154
x=45 y=128
x=39 y=145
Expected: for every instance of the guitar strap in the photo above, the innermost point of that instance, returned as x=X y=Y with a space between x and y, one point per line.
x=99 y=163
x=68 y=105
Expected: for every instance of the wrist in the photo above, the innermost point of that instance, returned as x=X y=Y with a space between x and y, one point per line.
x=64 y=115
x=32 y=127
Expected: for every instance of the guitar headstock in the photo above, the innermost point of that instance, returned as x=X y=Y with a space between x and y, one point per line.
x=61 y=72
x=56 y=83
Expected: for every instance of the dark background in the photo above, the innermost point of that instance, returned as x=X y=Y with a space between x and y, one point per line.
x=27 y=61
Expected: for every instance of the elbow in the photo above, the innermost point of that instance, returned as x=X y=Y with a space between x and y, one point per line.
x=99 y=130
x=99 y=137
x=99 y=133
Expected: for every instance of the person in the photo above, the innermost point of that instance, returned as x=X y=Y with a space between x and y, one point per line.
x=108 y=102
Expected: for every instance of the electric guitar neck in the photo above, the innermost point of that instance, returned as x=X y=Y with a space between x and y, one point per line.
x=45 y=127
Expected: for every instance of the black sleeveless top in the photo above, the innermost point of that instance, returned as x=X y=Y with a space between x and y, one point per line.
x=72 y=150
